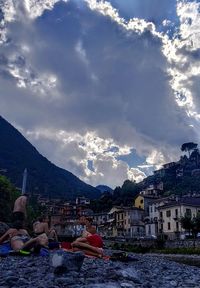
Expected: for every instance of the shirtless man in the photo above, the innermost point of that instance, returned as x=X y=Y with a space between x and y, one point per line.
x=20 y=239
x=19 y=210
x=41 y=226
x=87 y=221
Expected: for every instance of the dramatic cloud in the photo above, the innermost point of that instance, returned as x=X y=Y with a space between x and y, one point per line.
x=88 y=83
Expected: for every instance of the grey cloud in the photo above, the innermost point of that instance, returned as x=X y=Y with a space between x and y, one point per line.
x=122 y=91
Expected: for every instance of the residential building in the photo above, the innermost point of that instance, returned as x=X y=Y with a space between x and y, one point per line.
x=125 y=222
x=100 y=220
x=152 y=219
x=153 y=190
x=143 y=202
x=171 y=213
x=82 y=201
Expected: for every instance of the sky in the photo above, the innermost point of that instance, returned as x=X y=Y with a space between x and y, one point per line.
x=108 y=90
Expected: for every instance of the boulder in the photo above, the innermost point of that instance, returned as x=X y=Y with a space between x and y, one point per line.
x=64 y=261
x=3 y=228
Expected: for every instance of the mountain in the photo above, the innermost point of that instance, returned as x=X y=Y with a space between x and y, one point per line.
x=104 y=188
x=44 y=178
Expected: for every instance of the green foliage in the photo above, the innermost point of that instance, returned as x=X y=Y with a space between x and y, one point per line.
x=187 y=147
x=191 y=224
x=126 y=194
x=8 y=194
x=105 y=203
x=121 y=196
x=187 y=223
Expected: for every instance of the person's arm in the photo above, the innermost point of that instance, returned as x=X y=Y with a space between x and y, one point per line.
x=81 y=239
x=46 y=228
x=26 y=232
x=4 y=237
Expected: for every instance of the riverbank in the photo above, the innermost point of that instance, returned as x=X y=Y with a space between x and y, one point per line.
x=150 y=271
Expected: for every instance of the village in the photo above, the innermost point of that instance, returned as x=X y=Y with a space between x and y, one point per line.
x=149 y=216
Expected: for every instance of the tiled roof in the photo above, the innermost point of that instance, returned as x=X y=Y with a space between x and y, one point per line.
x=189 y=201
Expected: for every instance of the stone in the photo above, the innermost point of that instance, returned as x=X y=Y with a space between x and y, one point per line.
x=64 y=281
x=126 y=285
x=64 y=262
x=129 y=274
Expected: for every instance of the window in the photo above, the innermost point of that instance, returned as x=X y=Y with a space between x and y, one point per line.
x=176 y=213
x=161 y=215
x=168 y=213
x=177 y=226
x=188 y=212
x=169 y=226
x=141 y=201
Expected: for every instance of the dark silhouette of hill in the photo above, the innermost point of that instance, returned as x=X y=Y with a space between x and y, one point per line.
x=104 y=188
x=44 y=178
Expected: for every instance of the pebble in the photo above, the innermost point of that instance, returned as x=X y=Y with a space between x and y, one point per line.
x=149 y=272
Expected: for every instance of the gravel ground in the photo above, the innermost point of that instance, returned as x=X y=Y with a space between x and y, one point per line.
x=148 y=272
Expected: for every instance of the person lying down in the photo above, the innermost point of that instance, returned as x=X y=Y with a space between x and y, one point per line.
x=20 y=240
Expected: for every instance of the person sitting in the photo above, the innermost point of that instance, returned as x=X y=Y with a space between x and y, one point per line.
x=91 y=243
x=21 y=240
x=41 y=226
x=89 y=227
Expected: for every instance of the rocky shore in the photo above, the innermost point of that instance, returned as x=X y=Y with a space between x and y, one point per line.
x=148 y=272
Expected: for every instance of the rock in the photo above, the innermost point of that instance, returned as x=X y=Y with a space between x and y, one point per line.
x=126 y=285
x=11 y=279
x=63 y=261
x=64 y=281
x=129 y=274
x=16 y=272
x=173 y=283
x=22 y=282
x=103 y=285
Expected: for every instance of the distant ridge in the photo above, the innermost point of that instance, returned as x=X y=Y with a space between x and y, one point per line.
x=44 y=178
x=104 y=188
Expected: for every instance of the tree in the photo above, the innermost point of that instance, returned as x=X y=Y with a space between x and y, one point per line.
x=187 y=223
x=196 y=224
x=8 y=194
x=187 y=147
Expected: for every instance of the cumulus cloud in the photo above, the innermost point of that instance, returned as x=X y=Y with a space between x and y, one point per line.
x=86 y=85
x=183 y=54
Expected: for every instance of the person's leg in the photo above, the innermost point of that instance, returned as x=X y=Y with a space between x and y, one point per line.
x=41 y=240
x=86 y=247
x=16 y=245
x=53 y=235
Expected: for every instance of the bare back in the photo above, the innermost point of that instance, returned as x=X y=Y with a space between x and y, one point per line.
x=20 y=204
x=40 y=227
